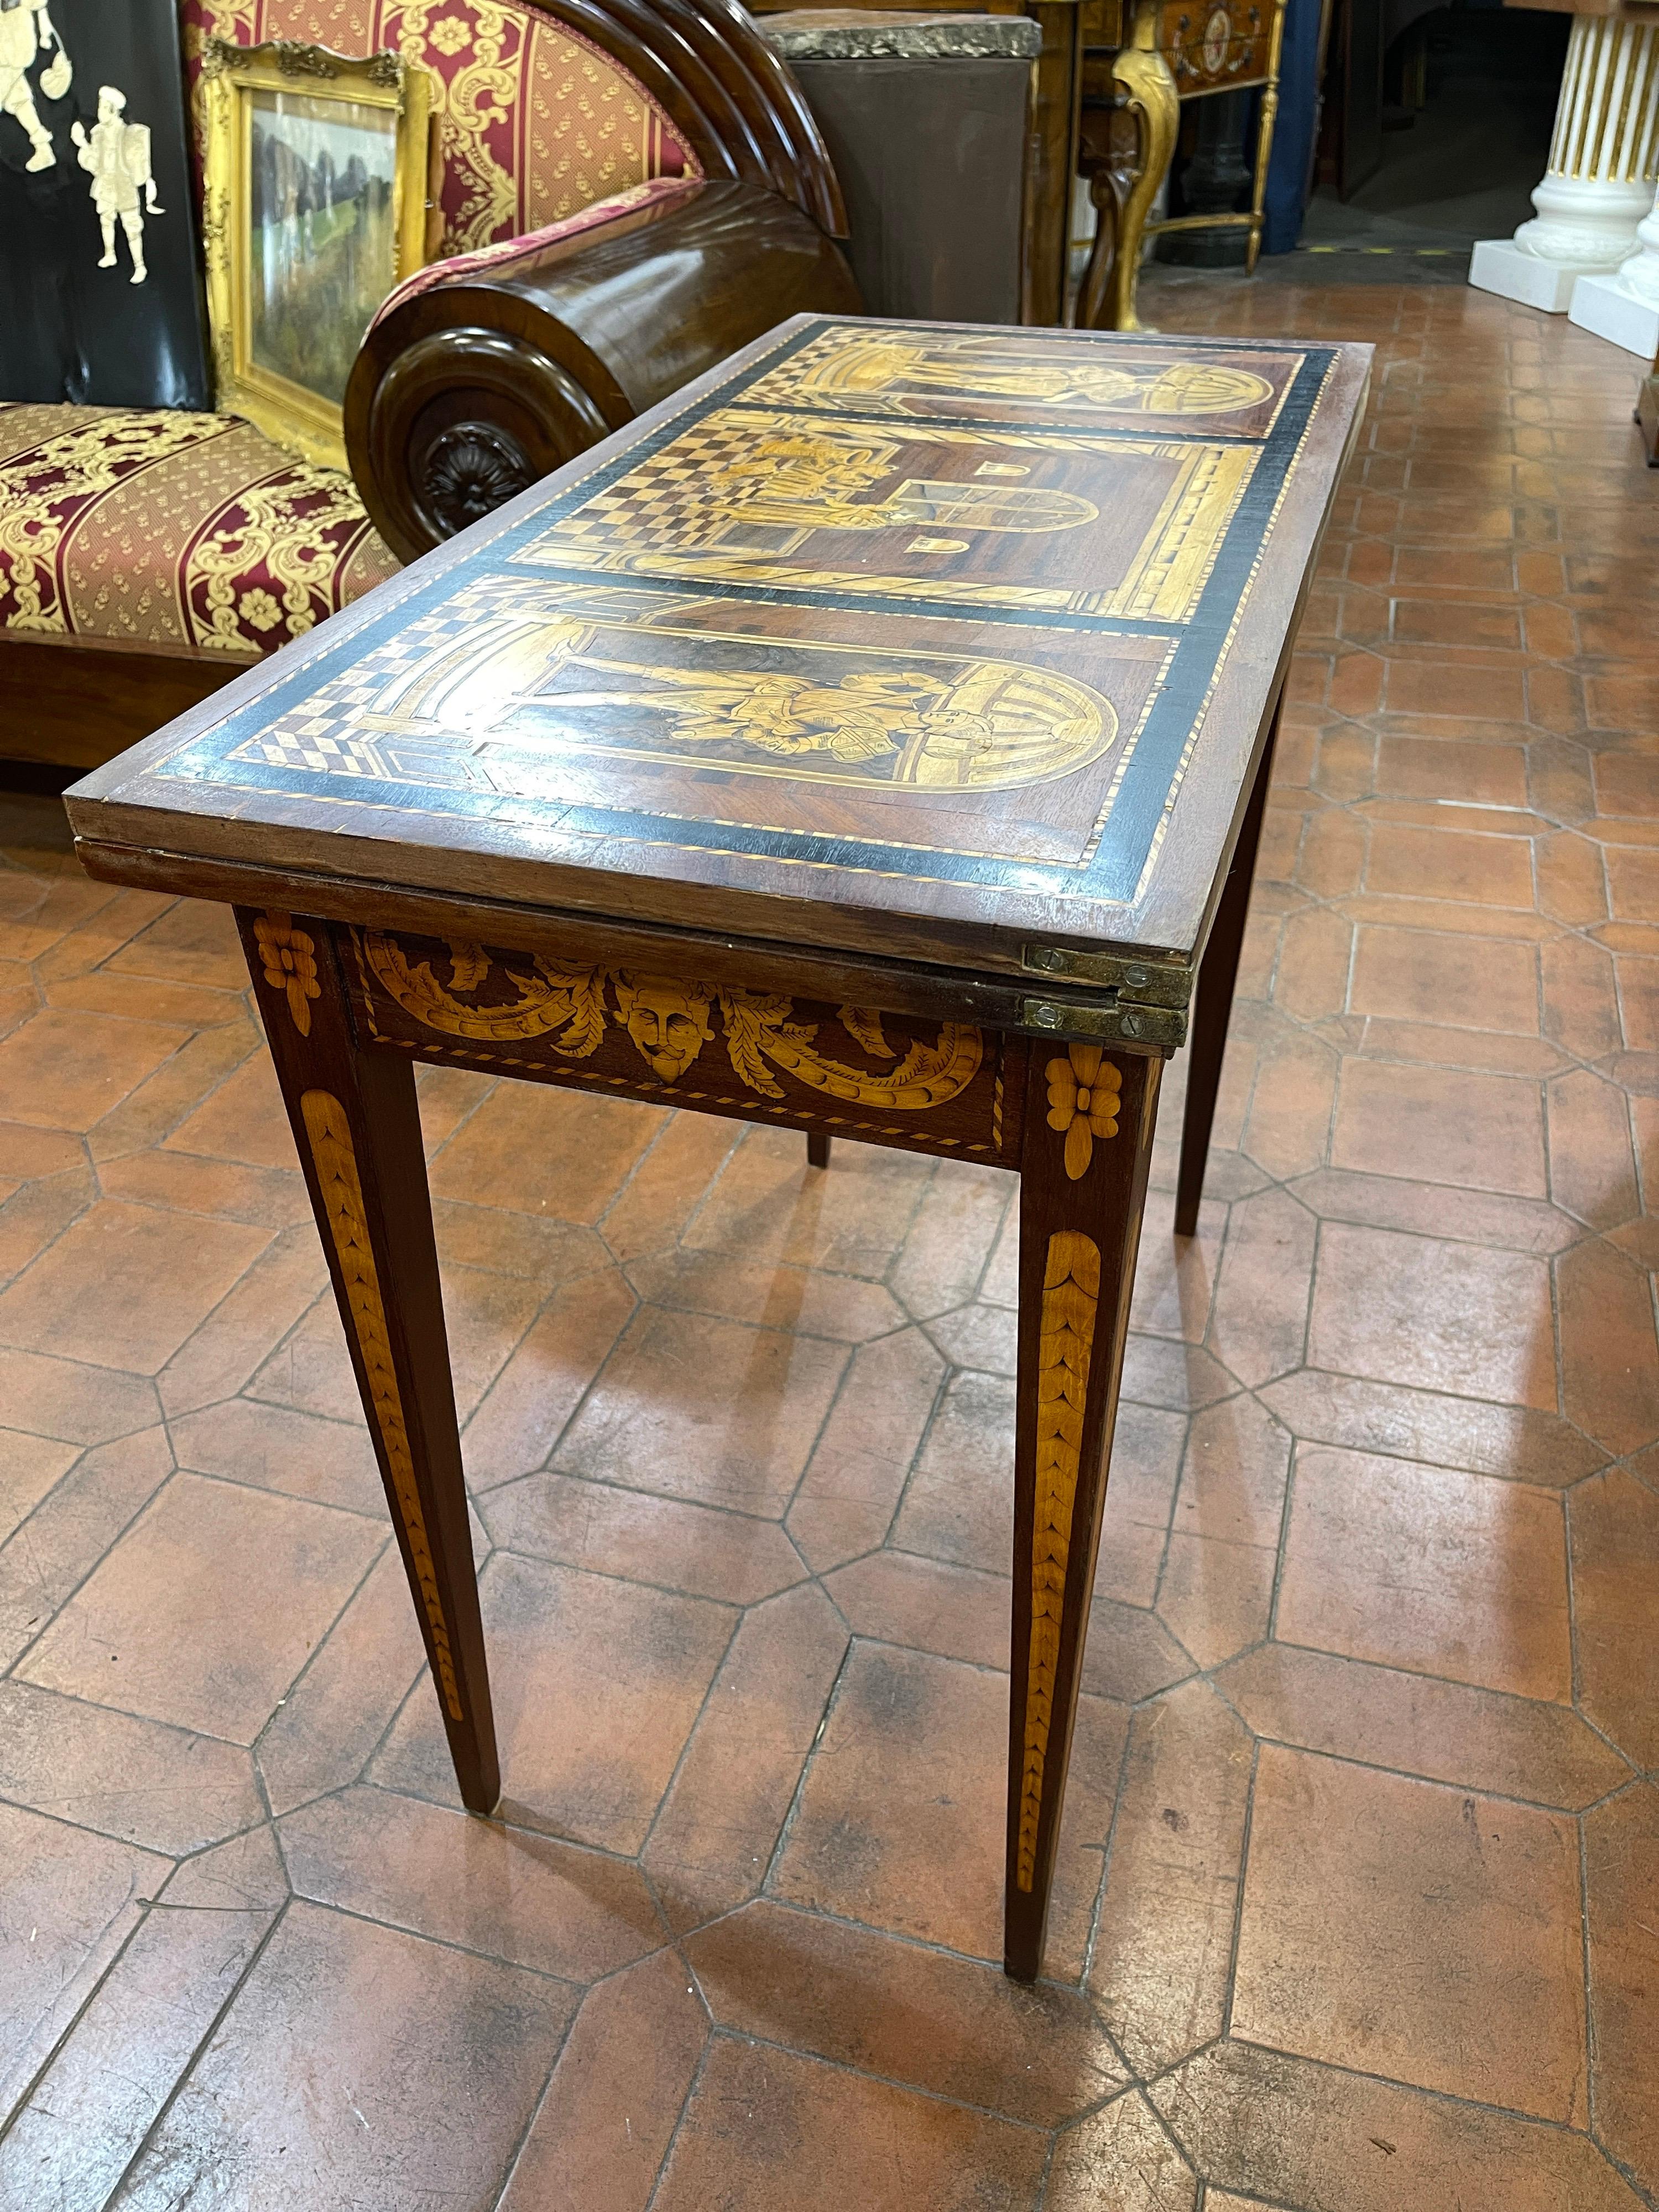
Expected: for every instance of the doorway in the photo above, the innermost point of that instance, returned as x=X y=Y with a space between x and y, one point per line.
x=1433 y=139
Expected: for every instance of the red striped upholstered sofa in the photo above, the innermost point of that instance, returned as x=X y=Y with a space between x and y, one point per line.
x=630 y=189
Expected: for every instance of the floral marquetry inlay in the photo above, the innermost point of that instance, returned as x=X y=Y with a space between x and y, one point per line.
x=290 y=964
x=1084 y=1097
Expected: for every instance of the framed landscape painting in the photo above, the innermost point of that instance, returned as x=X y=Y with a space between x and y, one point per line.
x=316 y=203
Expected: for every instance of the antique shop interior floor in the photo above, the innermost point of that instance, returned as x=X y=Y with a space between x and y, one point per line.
x=1358 y=1902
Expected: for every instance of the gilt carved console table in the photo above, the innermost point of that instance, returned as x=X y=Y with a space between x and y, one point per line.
x=871 y=740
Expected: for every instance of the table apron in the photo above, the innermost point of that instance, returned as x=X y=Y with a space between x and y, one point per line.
x=948 y=1089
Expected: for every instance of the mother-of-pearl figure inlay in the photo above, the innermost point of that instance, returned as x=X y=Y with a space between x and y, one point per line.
x=117 y=154
x=25 y=32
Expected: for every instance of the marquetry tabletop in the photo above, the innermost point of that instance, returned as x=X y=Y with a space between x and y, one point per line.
x=951 y=642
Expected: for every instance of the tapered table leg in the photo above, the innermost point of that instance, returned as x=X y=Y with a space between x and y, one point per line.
x=358 y=1131
x=817 y=1148
x=1089 y=1119
x=1218 y=974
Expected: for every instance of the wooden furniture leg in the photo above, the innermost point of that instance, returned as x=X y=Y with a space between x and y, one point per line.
x=1217 y=973
x=1096 y=284
x=817 y=1148
x=1089 y=1119
x=1267 y=115
x=1148 y=87
x=1056 y=98
x=358 y=1131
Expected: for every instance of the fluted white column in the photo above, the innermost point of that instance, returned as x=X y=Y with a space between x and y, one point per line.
x=1625 y=307
x=1604 y=164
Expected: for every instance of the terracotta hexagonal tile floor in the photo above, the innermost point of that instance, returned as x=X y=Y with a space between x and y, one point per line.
x=1360 y=1882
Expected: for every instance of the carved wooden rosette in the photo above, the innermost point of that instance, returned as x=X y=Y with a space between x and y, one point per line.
x=682 y=1040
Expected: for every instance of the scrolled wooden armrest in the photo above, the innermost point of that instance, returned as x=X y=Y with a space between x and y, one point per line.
x=487 y=371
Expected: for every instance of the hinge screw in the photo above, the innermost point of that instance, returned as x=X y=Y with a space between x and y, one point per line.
x=1047 y=956
x=1047 y=1017
x=1135 y=978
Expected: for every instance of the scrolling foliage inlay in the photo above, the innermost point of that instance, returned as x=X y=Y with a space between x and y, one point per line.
x=1071 y=1301
x=330 y=1132
x=668 y=1020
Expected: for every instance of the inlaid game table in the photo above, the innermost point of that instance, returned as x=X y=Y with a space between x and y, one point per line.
x=873 y=740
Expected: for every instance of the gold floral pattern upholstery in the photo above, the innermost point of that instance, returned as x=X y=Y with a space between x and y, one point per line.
x=190 y=532
x=535 y=122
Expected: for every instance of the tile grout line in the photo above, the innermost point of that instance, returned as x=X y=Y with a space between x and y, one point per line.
x=686 y=2102
x=31 y=2089
x=195 y=2058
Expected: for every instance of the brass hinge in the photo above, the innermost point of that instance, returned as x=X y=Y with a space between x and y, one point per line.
x=1149 y=982
x=1122 y=1022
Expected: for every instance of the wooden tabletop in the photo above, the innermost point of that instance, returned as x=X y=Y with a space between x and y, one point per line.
x=953 y=644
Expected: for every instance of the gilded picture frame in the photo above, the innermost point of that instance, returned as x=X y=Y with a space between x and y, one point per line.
x=314 y=207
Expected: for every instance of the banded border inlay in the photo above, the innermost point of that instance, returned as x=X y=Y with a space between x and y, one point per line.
x=332 y=1148
x=1070 y=1301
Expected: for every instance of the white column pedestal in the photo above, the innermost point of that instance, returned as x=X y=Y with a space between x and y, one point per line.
x=1499 y=265
x=1625 y=307
x=1604 y=162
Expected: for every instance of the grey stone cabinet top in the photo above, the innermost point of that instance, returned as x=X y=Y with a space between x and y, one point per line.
x=843 y=35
